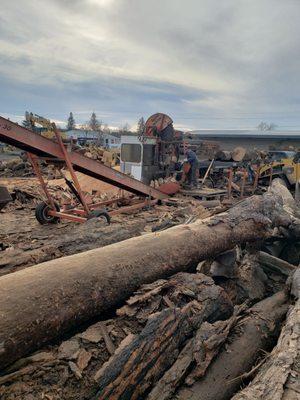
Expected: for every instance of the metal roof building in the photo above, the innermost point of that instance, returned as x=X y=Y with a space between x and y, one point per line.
x=265 y=140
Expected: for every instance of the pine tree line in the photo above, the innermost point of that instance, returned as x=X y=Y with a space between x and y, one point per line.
x=97 y=125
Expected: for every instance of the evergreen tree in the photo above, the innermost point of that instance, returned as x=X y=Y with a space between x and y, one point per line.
x=71 y=122
x=141 y=126
x=94 y=124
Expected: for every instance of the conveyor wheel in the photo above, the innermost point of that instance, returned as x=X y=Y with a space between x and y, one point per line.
x=41 y=214
x=100 y=214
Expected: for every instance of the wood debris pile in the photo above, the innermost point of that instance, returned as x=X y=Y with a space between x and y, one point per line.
x=205 y=309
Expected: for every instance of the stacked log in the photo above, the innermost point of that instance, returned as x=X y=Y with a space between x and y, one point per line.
x=278 y=377
x=137 y=365
x=223 y=155
x=238 y=154
x=244 y=344
x=194 y=345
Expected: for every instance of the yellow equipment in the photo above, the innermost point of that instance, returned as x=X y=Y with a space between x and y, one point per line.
x=283 y=164
x=111 y=158
x=33 y=119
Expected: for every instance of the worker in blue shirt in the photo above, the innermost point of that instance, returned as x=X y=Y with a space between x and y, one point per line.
x=194 y=169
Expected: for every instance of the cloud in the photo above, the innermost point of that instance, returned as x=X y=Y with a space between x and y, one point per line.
x=207 y=63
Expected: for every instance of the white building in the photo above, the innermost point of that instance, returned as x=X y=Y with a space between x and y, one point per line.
x=82 y=134
x=108 y=140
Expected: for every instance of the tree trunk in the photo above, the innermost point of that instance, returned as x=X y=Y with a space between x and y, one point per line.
x=238 y=154
x=253 y=333
x=279 y=376
x=135 y=367
x=196 y=355
x=223 y=155
x=42 y=302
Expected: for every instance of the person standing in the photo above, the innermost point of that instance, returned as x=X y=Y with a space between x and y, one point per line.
x=194 y=168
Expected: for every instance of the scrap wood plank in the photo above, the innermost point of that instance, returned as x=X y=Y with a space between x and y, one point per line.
x=204 y=194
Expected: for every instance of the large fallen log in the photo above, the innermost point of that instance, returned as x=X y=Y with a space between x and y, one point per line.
x=253 y=334
x=279 y=376
x=42 y=302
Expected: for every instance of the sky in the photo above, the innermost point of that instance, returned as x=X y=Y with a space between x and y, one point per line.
x=209 y=64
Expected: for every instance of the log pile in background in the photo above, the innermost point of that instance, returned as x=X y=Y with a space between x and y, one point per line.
x=239 y=154
x=15 y=167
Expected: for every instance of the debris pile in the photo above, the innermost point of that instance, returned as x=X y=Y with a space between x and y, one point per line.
x=15 y=168
x=239 y=154
x=203 y=306
x=108 y=157
x=192 y=320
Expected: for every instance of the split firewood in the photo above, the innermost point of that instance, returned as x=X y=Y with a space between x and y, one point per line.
x=98 y=280
x=130 y=373
x=279 y=377
x=252 y=335
x=108 y=342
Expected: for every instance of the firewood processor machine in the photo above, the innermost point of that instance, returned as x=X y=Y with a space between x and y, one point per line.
x=56 y=151
x=156 y=160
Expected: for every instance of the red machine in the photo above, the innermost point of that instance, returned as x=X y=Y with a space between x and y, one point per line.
x=156 y=124
x=169 y=143
x=39 y=147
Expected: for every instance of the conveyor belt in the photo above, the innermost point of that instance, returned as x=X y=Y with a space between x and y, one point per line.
x=34 y=143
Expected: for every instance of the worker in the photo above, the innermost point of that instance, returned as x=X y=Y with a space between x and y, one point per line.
x=194 y=167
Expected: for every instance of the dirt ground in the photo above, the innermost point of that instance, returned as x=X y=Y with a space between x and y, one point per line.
x=24 y=242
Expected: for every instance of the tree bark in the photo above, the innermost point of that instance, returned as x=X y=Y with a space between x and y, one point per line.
x=42 y=302
x=279 y=376
x=253 y=333
x=198 y=353
x=135 y=368
x=274 y=264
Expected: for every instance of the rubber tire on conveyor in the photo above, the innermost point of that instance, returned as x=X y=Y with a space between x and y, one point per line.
x=41 y=214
